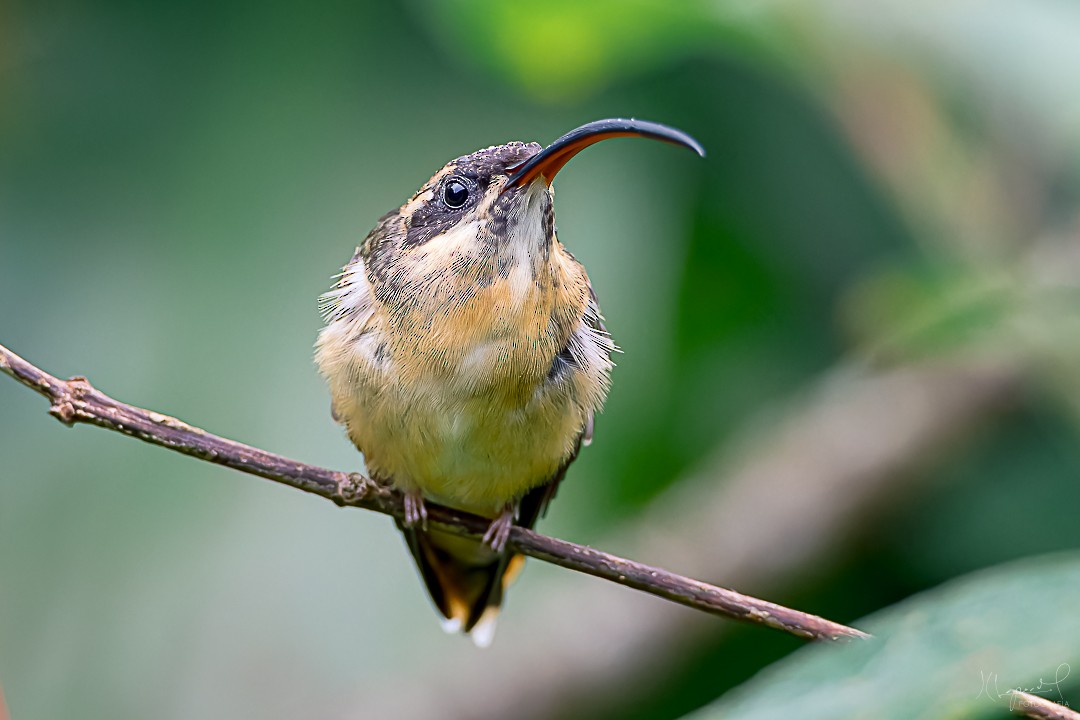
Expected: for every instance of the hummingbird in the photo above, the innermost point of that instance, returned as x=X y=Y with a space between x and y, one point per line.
x=467 y=356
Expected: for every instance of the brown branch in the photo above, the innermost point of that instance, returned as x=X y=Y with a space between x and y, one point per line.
x=1032 y=706
x=76 y=401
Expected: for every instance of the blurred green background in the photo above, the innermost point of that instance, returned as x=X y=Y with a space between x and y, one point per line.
x=890 y=188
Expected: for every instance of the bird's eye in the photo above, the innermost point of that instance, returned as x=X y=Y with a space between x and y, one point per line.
x=455 y=193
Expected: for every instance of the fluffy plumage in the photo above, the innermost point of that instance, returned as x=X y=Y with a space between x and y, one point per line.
x=466 y=357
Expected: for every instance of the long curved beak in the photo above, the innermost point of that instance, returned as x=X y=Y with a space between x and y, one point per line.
x=549 y=161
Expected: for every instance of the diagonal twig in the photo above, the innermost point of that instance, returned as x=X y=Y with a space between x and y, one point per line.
x=76 y=401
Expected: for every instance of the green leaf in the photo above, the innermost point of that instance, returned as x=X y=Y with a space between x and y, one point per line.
x=953 y=651
x=564 y=49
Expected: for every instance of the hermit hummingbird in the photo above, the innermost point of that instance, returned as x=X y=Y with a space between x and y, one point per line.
x=467 y=356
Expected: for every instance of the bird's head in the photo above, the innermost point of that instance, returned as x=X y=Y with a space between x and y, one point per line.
x=486 y=215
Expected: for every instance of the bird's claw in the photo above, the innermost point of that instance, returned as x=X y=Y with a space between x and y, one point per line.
x=415 y=510
x=498 y=531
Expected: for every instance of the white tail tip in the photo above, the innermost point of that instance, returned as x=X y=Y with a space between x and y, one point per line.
x=483 y=633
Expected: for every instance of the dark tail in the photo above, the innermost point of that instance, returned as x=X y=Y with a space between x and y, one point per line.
x=465 y=578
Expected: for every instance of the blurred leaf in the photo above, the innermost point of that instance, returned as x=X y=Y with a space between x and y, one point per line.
x=1029 y=309
x=918 y=310
x=950 y=652
x=563 y=49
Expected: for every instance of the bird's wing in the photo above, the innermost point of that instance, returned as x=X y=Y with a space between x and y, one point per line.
x=535 y=503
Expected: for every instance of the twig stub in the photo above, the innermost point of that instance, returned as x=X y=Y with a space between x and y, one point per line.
x=1035 y=706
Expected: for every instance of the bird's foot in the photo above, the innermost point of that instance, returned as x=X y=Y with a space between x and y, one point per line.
x=498 y=531
x=415 y=510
